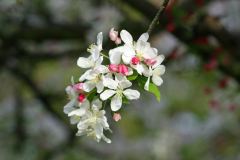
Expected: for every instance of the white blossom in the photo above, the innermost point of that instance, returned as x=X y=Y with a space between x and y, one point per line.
x=117 y=89
x=131 y=50
x=94 y=122
x=154 y=72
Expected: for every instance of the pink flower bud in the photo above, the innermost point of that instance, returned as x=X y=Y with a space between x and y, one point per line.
x=113 y=35
x=113 y=67
x=135 y=60
x=78 y=86
x=118 y=41
x=117 y=117
x=123 y=69
x=150 y=62
x=81 y=97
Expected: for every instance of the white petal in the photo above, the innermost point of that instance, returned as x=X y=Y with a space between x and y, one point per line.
x=130 y=71
x=115 y=55
x=157 y=80
x=146 y=86
x=96 y=104
x=99 y=40
x=125 y=84
x=149 y=53
x=77 y=112
x=107 y=94
x=85 y=104
x=74 y=119
x=95 y=53
x=82 y=126
x=99 y=61
x=139 y=68
x=144 y=37
x=70 y=91
x=159 y=60
x=92 y=74
x=128 y=54
x=99 y=87
x=160 y=70
x=85 y=75
x=116 y=103
x=69 y=106
x=131 y=94
x=102 y=69
x=89 y=86
x=82 y=110
x=84 y=62
x=147 y=71
x=110 y=83
x=141 y=46
x=126 y=37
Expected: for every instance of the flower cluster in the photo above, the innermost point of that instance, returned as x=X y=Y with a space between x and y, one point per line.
x=133 y=61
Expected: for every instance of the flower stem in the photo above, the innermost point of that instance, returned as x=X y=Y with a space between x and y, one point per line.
x=105 y=56
x=158 y=14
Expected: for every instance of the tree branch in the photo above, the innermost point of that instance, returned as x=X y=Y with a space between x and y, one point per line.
x=157 y=16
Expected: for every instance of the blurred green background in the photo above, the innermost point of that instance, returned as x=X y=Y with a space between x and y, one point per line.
x=198 y=117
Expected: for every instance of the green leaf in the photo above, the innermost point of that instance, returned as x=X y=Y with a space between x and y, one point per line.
x=91 y=95
x=133 y=76
x=152 y=87
x=155 y=90
x=125 y=100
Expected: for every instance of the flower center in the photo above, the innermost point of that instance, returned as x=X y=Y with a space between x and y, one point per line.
x=139 y=55
x=119 y=92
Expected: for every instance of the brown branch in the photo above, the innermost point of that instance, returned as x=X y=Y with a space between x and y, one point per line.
x=157 y=16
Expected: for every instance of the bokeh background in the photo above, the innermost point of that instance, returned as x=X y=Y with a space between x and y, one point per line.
x=198 y=116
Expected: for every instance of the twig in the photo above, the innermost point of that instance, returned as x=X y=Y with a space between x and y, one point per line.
x=159 y=13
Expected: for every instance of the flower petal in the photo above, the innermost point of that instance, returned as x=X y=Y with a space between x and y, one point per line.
x=126 y=37
x=99 y=40
x=77 y=112
x=95 y=53
x=107 y=94
x=157 y=80
x=99 y=87
x=99 y=61
x=115 y=55
x=69 y=106
x=88 y=86
x=116 y=103
x=125 y=84
x=85 y=75
x=131 y=94
x=110 y=83
x=128 y=54
x=102 y=69
x=149 y=53
x=144 y=37
x=146 y=86
x=74 y=119
x=96 y=104
x=159 y=60
x=84 y=62
x=139 y=68
x=160 y=70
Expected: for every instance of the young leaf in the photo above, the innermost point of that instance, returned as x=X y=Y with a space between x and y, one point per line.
x=155 y=90
x=133 y=76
